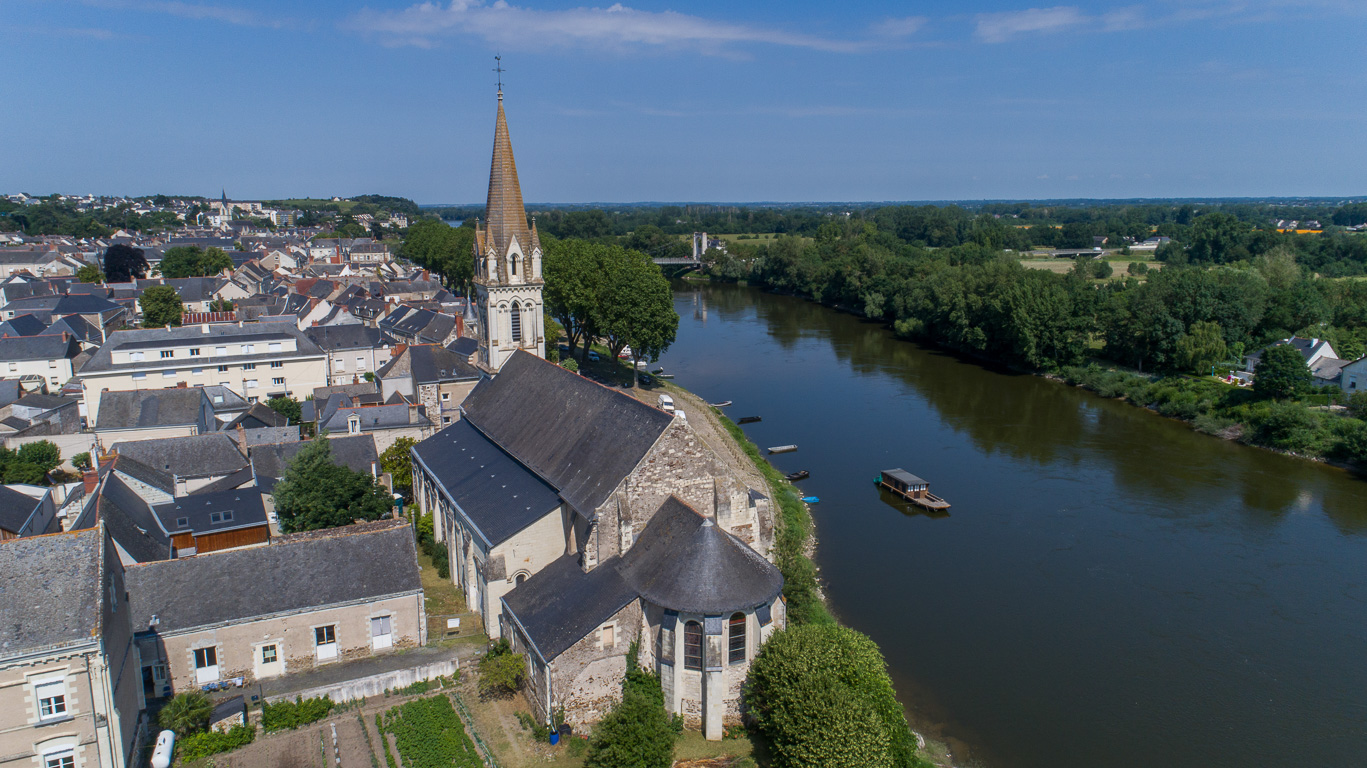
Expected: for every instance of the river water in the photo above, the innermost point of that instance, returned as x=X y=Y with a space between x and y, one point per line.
x=1109 y=589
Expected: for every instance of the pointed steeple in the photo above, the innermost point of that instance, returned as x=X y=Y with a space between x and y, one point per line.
x=506 y=216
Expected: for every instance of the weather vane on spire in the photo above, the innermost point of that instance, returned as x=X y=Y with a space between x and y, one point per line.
x=498 y=67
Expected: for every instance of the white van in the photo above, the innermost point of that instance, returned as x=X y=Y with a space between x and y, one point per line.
x=666 y=403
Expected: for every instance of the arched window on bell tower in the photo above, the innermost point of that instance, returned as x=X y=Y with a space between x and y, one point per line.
x=516 y=322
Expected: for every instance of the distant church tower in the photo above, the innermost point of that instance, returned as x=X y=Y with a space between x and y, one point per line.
x=507 y=264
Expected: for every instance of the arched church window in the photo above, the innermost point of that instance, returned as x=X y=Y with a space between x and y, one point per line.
x=517 y=321
x=735 y=648
x=693 y=646
x=514 y=261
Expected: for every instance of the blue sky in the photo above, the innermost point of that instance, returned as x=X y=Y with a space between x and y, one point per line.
x=700 y=101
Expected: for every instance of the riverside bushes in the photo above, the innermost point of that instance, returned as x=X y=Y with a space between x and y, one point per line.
x=822 y=695
x=799 y=574
x=1296 y=426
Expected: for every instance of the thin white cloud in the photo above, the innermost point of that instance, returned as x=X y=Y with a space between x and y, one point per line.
x=903 y=27
x=1004 y=26
x=196 y=11
x=616 y=27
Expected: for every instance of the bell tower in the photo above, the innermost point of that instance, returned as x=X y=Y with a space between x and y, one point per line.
x=507 y=256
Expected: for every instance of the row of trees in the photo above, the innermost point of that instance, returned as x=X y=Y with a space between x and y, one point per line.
x=193 y=261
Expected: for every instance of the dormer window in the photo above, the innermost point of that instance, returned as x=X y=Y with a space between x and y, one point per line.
x=353 y=424
x=226 y=516
x=182 y=522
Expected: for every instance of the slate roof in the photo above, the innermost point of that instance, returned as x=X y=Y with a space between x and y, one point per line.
x=373 y=417
x=156 y=338
x=464 y=346
x=15 y=509
x=335 y=337
x=245 y=505
x=308 y=573
x=560 y=604
x=52 y=590
x=257 y=416
x=130 y=521
x=38 y=347
x=580 y=436
x=429 y=364
x=904 y=476
x=145 y=474
x=143 y=408
x=353 y=451
x=685 y=562
x=494 y=490
x=22 y=325
x=193 y=456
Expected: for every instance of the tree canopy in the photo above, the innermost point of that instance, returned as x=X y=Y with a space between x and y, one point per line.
x=193 y=261
x=123 y=263
x=160 y=307
x=446 y=250
x=288 y=407
x=1281 y=372
x=90 y=274
x=317 y=493
x=398 y=462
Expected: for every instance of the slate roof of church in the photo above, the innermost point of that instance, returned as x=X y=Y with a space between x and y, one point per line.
x=560 y=604
x=494 y=490
x=685 y=562
x=307 y=573
x=52 y=589
x=578 y=435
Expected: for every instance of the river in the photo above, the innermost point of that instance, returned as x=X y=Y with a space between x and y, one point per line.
x=1109 y=589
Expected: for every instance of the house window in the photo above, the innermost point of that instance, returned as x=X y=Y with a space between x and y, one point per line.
x=168 y=374
x=268 y=654
x=223 y=369
x=279 y=380
x=52 y=363
x=15 y=367
x=693 y=646
x=220 y=350
x=197 y=371
x=51 y=698
x=63 y=759
x=273 y=347
x=136 y=357
x=251 y=383
x=253 y=399
x=277 y=364
x=249 y=366
x=516 y=320
x=226 y=516
x=167 y=353
x=380 y=632
x=194 y=351
x=736 y=639
x=325 y=641
x=182 y=522
x=610 y=636
x=136 y=376
x=360 y=363
x=206 y=665
x=247 y=349
x=446 y=397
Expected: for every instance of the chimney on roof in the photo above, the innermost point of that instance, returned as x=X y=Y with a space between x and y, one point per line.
x=90 y=478
x=242 y=437
x=412 y=413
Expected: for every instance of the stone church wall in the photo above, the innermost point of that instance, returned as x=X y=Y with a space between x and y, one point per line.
x=587 y=678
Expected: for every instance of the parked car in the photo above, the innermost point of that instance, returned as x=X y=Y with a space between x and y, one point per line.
x=593 y=356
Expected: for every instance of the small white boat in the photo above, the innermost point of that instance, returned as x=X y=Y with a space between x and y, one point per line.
x=782 y=449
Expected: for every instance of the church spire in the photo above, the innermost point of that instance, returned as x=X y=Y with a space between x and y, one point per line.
x=506 y=218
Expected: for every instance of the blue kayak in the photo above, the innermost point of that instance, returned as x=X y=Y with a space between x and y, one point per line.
x=810 y=499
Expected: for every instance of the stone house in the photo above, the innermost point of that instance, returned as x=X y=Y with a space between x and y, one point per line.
x=433 y=376
x=549 y=472
x=353 y=350
x=69 y=693
x=1353 y=376
x=322 y=597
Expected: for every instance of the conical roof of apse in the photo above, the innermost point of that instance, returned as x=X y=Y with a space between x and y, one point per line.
x=506 y=217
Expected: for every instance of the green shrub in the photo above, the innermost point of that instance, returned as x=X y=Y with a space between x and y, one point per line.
x=501 y=671
x=200 y=745
x=292 y=714
x=809 y=678
x=637 y=732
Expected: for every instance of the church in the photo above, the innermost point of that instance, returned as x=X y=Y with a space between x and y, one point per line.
x=580 y=520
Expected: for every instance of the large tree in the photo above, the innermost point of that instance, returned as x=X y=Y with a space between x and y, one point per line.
x=160 y=306
x=1202 y=347
x=123 y=263
x=317 y=493
x=637 y=308
x=193 y=261
x=433 y=244
x=574 y=286
x=1281 y=372
x=397 y=460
